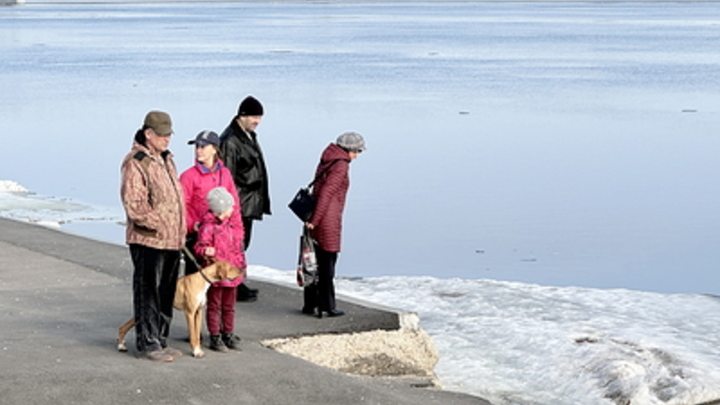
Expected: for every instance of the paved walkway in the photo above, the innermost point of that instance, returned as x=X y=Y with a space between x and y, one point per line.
x=62 y=298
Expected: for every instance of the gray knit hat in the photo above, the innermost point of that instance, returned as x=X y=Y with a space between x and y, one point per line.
x=219 y=200
x=351 y=141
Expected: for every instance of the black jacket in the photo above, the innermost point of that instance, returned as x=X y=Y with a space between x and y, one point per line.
x=244 y=158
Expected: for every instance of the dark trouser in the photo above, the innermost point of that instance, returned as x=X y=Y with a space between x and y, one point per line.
x=243 y=291
x=247 y=225
x=154 y=282
x=221 y=310
x=322 y=294
x=190 y=266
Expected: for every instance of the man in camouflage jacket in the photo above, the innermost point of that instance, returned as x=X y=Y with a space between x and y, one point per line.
x=153 y=201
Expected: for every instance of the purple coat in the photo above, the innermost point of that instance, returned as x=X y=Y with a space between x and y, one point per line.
x=330 y=191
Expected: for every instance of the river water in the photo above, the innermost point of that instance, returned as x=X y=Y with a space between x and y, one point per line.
x=537 y=174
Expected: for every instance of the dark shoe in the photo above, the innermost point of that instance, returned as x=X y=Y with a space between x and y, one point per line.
x=231 y=340
x=217 y=344
x=335 y=312
x=244 y=288
x=157 y=356
x=308 y=311
x=174 y=353
x=246 y=294
x=247 y=298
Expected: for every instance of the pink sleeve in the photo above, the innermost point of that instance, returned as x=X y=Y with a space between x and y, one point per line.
x=186 y=181
x=206 y=239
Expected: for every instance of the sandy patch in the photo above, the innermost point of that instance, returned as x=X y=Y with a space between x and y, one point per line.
x=380 y=353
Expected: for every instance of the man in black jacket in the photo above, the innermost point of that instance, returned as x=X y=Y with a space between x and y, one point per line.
x=242 y=155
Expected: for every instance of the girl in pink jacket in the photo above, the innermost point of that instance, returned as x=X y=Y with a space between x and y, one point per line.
x=207 y=173
x=220 y=236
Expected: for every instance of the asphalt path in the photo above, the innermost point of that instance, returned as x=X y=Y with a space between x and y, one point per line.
x=62 y=298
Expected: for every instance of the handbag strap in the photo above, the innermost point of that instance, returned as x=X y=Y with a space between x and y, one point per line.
x=323 y=172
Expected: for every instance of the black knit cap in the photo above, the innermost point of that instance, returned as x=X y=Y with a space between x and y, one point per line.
x=250 y=106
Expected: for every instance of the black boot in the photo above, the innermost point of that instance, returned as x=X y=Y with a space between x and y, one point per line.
x=335 y=312
x=217 y=344
x=246 y=294
x=231 y=340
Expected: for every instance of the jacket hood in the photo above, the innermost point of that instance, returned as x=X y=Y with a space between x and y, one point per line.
x=332 y=153
x=209 y=217
x=137 y=146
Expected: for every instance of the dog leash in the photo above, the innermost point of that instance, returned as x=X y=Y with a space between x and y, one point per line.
x=191 y=257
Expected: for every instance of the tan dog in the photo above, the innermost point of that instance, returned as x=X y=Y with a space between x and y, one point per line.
x=190 y=297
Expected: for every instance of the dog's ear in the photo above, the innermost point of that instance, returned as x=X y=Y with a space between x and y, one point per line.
x=225 y=269
x=221 y=271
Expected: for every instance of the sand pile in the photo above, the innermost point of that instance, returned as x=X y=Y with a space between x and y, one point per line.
x=399 y=353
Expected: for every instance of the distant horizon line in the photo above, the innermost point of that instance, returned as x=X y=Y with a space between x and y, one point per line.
x=46 y=2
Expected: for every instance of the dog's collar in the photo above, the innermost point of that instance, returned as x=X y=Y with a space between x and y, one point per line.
x=204 y=276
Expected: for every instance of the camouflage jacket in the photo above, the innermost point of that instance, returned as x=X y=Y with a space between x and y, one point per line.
x=153 y=200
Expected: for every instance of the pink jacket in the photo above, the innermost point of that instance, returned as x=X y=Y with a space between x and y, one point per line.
x=226 y=236
x=196 y=182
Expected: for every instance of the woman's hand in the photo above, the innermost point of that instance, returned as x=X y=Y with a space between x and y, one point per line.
x=309 y=226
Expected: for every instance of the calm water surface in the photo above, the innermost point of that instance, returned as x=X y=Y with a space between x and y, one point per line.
x=559 y=144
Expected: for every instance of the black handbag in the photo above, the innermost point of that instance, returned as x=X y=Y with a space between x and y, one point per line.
x=303 y=204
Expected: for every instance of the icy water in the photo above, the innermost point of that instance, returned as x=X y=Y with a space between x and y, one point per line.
x=559 y=144
x=538 y=184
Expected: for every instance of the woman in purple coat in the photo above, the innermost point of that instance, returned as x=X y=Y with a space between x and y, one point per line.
x=329 y=190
